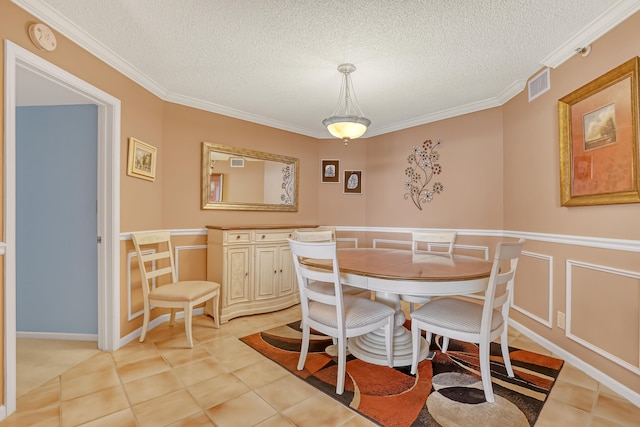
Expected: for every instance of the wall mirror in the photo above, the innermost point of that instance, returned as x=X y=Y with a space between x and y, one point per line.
x=239 y=179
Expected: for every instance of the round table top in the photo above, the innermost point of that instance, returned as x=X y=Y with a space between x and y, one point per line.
x=398 y=264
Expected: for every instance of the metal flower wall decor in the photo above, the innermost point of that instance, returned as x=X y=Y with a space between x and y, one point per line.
x=422 y=168
x=287 y=185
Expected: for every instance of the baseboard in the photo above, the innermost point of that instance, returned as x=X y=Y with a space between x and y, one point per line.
x=599 y=376
x=155 y=322
x=57 y=336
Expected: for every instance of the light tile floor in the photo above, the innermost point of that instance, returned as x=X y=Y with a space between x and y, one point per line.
x=222 y=382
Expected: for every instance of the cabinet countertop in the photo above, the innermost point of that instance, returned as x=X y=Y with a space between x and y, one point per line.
x=258 y=227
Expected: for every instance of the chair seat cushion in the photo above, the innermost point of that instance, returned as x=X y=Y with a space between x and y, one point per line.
x=358 y=312
x=184 y=291
x=455 y=314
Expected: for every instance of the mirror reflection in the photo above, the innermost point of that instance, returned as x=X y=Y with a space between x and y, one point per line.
x=240 y=179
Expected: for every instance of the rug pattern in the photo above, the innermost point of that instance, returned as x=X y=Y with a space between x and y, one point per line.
x=446 y=391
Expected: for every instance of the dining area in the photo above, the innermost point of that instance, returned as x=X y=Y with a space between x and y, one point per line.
x=433 y=278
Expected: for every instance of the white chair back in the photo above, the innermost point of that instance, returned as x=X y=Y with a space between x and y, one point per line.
x=324 y=252
x=500 y=286
x=315 y=236
x=433 y=237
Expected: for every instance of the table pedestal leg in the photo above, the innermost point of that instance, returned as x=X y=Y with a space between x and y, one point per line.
x=371 y=347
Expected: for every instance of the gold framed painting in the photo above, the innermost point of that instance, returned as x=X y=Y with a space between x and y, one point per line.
x=142 y=160
x=598 y=129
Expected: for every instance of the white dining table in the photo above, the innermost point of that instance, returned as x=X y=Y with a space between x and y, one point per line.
x=393 y=272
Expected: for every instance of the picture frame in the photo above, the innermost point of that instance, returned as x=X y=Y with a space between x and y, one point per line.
x=330 y=171
x=352 y=182
x=215 y=187
x=142 y=160
x=598 y=132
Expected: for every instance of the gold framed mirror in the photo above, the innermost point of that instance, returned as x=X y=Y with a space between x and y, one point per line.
x=248 y=180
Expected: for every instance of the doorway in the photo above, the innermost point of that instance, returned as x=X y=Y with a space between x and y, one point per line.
x=21 y=64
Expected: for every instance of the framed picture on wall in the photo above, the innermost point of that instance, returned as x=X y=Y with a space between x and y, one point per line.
x=330 y=170
x=599 y=140
x=353 y=182
x=142 y=160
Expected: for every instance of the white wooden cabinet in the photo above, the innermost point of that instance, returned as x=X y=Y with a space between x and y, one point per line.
x=254 y=268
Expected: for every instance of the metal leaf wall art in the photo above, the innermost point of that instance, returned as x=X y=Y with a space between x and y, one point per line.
x=422 y=168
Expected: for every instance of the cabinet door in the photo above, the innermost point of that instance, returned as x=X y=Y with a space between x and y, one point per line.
x=288 y=281
x=237 y=280
x=266 y=272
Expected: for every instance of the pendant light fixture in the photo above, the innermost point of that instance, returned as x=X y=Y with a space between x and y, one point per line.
x=347 y=121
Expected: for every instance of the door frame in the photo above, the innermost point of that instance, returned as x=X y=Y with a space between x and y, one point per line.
x=108 y=209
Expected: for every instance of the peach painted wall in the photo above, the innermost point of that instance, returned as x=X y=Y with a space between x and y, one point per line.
x=185 y=129
x=591 y=286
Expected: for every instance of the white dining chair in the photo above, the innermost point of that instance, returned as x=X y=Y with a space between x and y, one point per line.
x=472 y=322
x=155 y=260
x=336 y=315
x=420 y=240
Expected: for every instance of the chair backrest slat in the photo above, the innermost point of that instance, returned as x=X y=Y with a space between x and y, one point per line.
x=151 y=264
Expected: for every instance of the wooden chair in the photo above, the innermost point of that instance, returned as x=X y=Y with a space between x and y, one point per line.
x=472 y=322
x=176 y=294
x=418 y=237
x=336 y=315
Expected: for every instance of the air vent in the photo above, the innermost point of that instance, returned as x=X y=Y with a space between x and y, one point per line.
x=237 y=162
x=539 y=84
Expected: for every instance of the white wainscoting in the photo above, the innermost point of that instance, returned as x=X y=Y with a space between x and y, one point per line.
x=548 y=322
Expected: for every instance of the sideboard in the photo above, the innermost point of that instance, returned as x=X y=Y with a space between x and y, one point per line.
x=254 y=268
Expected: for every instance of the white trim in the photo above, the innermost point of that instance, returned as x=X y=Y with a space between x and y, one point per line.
x=548 y=322
x=602 y=352
x=176 y=257
x=17 y=58
x=57 y=336
x=594 y=373
x=375 y=242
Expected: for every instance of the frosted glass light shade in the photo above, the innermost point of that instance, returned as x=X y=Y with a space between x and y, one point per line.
x=346 y=127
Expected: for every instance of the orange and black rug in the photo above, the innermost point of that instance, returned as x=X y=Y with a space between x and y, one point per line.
x=446 y=391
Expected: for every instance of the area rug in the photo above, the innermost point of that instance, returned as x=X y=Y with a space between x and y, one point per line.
x=446 y=391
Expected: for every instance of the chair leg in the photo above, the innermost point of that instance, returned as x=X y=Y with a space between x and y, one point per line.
x=485 y=373
x=304 y=346
x=216 y=310
x=411 y=307
x=342 y=364
x=504 y=345
x=445 y=344
x=172 y=317
x=188 y=317
x=415 y=341
x=145 y=322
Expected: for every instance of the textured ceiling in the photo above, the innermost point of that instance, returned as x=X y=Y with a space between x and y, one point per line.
x=274 y=61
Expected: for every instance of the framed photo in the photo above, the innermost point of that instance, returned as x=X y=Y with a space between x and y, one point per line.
x=598 y=126
x=215 y=187
x=330 y=170
x=142 y=160
x=353 y=182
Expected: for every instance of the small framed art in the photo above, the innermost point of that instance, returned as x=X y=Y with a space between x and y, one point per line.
x=142 y=160
x=353 y=182
x=330 y=170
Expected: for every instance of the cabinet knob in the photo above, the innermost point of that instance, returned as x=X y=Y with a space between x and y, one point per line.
x=238 y=236
x=275 y=271
x=263 y=236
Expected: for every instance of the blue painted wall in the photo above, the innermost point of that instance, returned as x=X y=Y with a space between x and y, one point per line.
x=56 y=250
